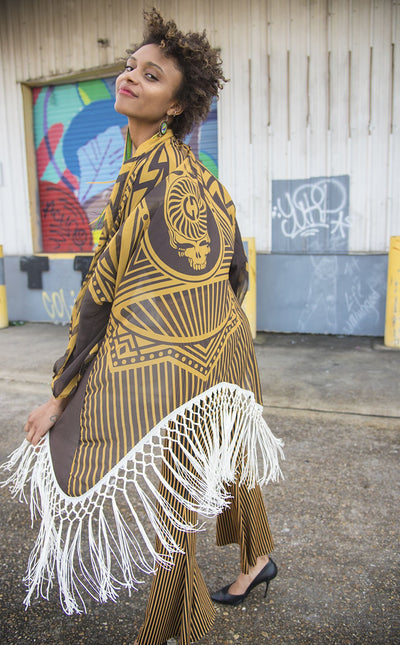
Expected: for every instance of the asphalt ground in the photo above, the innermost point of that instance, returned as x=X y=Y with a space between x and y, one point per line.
x=335 y=401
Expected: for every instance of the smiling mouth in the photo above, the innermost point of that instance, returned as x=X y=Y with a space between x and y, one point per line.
x=124 y=90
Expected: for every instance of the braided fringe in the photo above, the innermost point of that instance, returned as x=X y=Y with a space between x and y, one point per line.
x=98 y=542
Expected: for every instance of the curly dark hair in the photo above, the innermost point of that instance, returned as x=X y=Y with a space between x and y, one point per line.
x=199 y=63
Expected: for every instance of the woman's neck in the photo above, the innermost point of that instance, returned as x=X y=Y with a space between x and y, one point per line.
x=140 y=133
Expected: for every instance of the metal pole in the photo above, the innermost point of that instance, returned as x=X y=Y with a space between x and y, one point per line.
x=3 y=295
x=392 y=320
x=250 y=302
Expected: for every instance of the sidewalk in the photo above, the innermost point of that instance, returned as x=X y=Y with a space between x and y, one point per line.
x=335 y=401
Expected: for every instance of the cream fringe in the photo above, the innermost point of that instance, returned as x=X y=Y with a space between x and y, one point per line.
x=84 y=539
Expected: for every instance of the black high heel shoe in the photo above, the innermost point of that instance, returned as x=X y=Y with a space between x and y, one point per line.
x=266 y=574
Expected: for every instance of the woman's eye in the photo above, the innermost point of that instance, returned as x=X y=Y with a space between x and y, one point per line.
x=128 y=68
x=151 y=76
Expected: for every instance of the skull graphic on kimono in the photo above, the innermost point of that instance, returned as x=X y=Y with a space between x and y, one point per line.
x=186 y=216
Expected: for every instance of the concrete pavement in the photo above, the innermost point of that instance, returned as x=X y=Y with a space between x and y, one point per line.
x=335 y=401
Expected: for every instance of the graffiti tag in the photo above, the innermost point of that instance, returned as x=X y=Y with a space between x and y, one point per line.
x=57 y=306
x=316 y=208
x=307 y=209
x=362 y=299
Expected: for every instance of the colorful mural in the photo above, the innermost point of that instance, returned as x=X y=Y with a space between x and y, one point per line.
x=79 y=142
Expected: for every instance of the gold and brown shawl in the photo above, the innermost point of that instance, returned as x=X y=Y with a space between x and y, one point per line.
x=160 y=355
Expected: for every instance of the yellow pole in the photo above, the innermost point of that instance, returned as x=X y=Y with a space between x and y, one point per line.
x=250 y=302
x=392 y=320
x=3 y=297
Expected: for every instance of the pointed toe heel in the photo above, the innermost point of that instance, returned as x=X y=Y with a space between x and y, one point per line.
x=266 y=574
x=225 y=598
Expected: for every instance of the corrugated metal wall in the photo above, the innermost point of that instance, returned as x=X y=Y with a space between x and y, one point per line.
x=315 y=91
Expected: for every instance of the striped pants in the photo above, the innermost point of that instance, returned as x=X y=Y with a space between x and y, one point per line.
x=179 y=603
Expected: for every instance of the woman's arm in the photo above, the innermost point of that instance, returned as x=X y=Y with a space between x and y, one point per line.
x=43 y=418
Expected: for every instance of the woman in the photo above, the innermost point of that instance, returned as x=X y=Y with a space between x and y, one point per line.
x=158 y=392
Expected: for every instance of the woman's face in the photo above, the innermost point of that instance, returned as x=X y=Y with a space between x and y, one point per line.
x=146 y=89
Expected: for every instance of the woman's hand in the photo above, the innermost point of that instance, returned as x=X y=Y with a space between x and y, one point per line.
x=43 y=418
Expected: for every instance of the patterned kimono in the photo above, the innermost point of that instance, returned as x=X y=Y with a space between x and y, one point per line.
x=163 y=387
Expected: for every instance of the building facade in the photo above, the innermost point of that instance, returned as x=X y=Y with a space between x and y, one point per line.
x=305 y=137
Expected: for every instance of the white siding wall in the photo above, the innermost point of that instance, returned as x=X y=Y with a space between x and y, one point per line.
x=315 y=90
x=15 y=226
